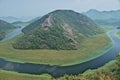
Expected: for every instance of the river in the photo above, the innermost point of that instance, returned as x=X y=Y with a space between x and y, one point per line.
x=13 y=34
x=57 y=71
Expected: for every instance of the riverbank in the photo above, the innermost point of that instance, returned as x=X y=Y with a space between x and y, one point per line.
x=90 y=48
x=9 y=75
x=3 y=34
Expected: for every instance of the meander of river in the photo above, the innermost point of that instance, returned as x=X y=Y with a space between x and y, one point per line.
x=57 y=71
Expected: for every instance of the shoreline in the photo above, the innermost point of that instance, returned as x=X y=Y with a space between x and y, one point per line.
x=96 y=54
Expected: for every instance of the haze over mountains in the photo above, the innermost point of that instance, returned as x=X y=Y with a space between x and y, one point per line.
x=104 y=17
x=109 y=18
x=11 y=19
x=79 y=40
x=60 y=29
x=100 y=17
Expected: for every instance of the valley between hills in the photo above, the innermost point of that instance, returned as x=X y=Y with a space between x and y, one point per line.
x=62 y=38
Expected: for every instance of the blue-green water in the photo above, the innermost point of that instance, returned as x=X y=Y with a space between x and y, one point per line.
x=57 y=71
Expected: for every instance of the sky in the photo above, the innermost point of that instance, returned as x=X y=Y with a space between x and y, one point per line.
x=19 y=8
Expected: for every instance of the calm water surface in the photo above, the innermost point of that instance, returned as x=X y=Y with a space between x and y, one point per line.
x=57 y=71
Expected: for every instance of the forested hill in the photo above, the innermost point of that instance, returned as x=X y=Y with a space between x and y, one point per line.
x=4 y=28
x=59 y=29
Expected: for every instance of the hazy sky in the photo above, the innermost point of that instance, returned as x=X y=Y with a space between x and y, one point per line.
x=19 y=8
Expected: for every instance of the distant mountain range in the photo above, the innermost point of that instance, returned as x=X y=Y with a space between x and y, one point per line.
x=105 y=17
x=60 y=29
x=11 y=19
x=25 y=23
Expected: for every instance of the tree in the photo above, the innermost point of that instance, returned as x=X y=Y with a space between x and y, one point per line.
x=118 y=68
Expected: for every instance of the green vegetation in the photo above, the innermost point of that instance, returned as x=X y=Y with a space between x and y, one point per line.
x=72 y=19
x=2 y=35
x=53 y=31
x=41 y=39
x=118 y=34
x=7 y=75
x=89 y=49
x=110 y=18
x=118 y=68
x=58 y=30
x=108 y=28
x=103 y=73
x=5 y=28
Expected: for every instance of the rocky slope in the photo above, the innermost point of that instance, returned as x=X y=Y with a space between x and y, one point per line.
x=60 y=29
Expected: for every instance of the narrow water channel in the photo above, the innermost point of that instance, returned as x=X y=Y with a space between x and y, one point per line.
x=57 y=71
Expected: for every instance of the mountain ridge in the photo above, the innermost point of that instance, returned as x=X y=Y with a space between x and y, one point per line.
x=104 y=17
x=60 y=29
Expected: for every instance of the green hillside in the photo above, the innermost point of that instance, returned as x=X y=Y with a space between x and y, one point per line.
x=60 y=29
x=105 y=17
x=4 y=28
x=62 y=37
x=2 y=35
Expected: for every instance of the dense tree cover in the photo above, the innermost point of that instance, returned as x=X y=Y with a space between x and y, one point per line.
x=57 y=30
x=2 y=35
x=45 y=39
x=90 y=76
x=118 y=68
